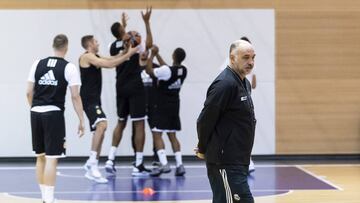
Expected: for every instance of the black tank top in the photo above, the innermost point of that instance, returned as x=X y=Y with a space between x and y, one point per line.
x=91 y=79
x=50 y=83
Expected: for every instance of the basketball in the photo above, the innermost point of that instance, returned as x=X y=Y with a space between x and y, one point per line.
x=148 y=191
x=133 y=37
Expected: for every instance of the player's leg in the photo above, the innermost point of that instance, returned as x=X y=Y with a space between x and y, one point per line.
x=139 y=140
x=161 y=153
x=50 y=178
x=123 y=112
x=138 y=116
x=150 y=119
x=40 y=167
x=38 y=144
x=92 y=164
x=98 y=138
x=54 y=136
x=175 y=144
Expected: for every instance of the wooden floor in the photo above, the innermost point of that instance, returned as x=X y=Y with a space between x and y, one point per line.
x=345 y=177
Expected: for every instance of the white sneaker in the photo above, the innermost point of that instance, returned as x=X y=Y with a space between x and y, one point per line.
x=251 y=166
x=93 y=173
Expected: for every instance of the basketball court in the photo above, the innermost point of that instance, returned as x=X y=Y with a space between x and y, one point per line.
x=306 y=100
x=278 y=183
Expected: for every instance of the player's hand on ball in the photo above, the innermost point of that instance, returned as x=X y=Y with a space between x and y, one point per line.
x=154 y=49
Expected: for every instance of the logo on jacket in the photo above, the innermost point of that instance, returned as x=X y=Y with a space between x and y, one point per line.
x=236 y=197
x=48 y=79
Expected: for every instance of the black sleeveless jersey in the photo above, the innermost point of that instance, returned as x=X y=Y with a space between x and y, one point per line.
x=170 y=89
x=128 y=74
x=91 y=79
x=50 y=83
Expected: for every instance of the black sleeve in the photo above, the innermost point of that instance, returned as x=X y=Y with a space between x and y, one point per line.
x=217 y=99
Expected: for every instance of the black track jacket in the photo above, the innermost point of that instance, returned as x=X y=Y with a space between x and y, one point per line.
x=226 y=124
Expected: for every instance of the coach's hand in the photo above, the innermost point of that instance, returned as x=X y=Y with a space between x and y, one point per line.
x=198 y=154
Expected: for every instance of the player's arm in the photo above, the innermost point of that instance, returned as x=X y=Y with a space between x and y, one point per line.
x=109 y=62
x=149 y=64
x=124 y=19
x=30 y=92
x=160 y=59
x=31 y=83
x=72 y=76
x=146 y=18
x=78 y=107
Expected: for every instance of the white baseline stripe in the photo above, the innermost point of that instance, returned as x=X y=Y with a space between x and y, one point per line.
x=121 y=177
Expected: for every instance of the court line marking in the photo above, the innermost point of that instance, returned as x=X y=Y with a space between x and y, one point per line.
x=156 y=191
x=128 y=177
x=319 y=177
x=188 y=166
x=276 y=195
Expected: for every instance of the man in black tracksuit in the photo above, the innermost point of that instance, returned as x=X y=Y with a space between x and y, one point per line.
x=226 y=128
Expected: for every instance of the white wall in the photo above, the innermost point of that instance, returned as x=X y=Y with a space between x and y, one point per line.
x=205 y=35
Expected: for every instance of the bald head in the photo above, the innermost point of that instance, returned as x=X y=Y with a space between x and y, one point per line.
x=239 y=45
x=242 y=57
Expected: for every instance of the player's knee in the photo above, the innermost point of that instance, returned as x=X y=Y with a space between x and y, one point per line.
x=102 y=125
x=41 y=158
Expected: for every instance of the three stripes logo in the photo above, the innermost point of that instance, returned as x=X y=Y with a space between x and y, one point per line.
x=48 y=78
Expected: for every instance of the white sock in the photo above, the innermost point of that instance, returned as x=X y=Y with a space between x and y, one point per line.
x=162 y=156
x=92 y=157
x=42 y=189
x=178 y=158
x=139 y=158
x=112 y=153
x=48 y=193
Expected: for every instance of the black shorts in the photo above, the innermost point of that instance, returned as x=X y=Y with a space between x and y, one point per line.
x=133 y=105
x=165 y=117
x=95 y=114
x=48 y=133
x=150 y=111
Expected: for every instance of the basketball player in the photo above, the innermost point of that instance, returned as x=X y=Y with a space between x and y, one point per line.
x=47 y=84
x=131 y=101
x=166 y=114
x=90 y=68
x=118 y=30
